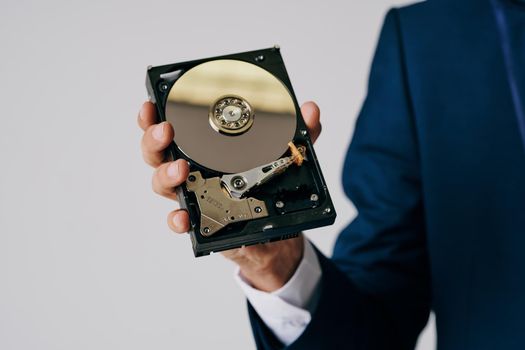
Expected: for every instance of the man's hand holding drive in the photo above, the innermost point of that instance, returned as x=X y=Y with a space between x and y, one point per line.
x=266 y=267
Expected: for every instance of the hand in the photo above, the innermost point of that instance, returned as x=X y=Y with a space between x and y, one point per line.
x=266 y=266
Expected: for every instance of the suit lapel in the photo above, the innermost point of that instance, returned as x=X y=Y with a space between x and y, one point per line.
x=508 y=48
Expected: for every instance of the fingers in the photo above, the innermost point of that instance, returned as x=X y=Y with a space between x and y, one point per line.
x=155 y=140
x=179 y=221
x=147 y=115
x=312 y=115
x=156 y=136
x=168 y=176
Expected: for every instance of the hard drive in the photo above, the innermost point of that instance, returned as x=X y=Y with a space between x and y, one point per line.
x=254 y=176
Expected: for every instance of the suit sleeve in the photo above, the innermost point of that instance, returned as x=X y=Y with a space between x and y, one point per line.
x=375 y=290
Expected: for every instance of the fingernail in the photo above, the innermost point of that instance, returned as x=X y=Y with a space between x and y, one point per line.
x=173 y=170
x=176 y=222
x=141 y=114
x=158 y=132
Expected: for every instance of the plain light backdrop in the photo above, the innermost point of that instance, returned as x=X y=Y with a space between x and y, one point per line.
x=86 y=258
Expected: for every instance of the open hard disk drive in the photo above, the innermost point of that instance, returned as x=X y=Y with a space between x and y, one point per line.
x=254 y=176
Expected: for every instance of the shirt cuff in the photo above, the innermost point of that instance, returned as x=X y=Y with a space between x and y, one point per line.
x=287 y=311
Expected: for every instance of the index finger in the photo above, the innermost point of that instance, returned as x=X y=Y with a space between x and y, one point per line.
x=147 y=115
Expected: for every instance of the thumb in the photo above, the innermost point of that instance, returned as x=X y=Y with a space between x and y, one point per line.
x=311 y=115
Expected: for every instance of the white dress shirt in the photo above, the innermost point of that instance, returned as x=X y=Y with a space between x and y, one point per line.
x=287 y=311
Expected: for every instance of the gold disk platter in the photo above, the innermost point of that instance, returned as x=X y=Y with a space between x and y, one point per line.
x=231 y=116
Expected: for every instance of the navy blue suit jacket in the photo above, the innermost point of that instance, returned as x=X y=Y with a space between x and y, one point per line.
x=436 y=170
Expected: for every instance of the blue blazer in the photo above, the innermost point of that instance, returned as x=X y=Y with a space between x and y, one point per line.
x=436 y=170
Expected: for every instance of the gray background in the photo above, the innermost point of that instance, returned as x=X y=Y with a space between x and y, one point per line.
x=86 y=258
